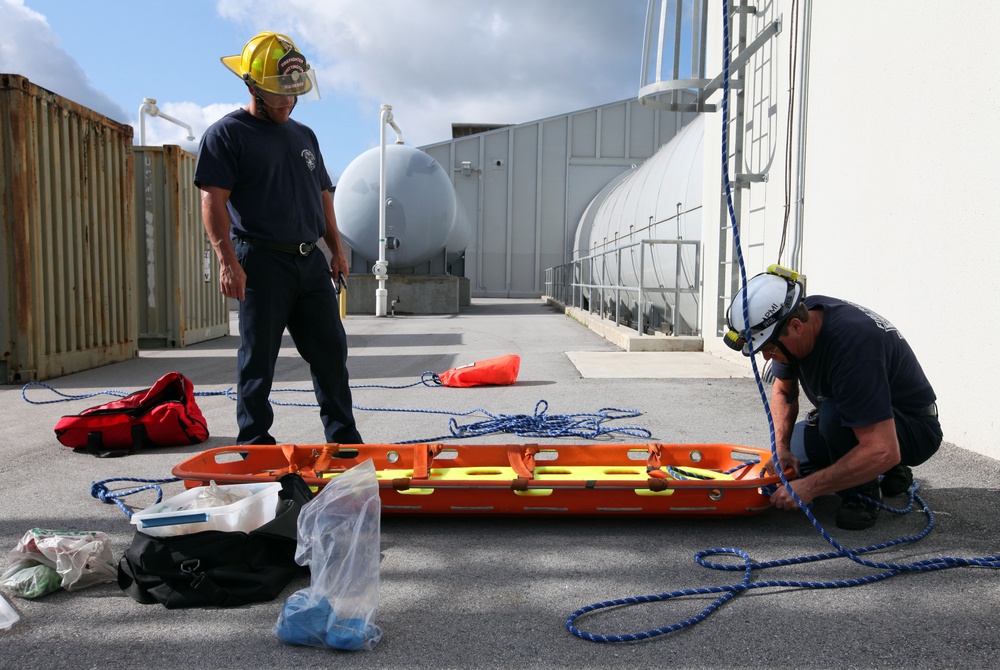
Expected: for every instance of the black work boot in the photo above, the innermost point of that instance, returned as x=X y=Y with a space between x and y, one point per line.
x=857 y=513
x=897 y=480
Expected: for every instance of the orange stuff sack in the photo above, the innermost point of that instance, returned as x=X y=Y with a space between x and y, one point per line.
x=500 y=371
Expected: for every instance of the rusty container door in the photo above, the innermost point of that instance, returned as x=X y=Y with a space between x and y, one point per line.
x=179 y=299
x=68 y=282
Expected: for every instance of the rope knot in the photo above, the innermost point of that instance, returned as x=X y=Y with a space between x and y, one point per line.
x=100 y=491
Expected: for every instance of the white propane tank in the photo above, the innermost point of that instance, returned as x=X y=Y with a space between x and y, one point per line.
x=420 y=206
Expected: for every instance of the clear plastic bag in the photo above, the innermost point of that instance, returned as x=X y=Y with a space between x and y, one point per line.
x=32 y=581
x=80 y=558
x=338 y=538
x=8 y=616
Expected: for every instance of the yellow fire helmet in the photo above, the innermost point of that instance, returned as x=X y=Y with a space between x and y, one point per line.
x=270 y=62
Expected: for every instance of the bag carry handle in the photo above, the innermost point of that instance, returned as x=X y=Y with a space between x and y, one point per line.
x=95 y=443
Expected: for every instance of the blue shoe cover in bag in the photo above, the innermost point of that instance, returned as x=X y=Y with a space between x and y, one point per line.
x=315 y=625
x=338 y=538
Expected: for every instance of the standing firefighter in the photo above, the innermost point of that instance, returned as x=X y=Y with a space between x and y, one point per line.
x=266 y=203
x=875 y=412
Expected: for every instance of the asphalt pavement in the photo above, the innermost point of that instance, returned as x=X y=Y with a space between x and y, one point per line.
x=486 y=592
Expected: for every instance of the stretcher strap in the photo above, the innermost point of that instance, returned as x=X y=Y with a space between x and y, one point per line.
x=288 y=451
x=522 y=459
x=322 y=463
x=653 y=463
x=307 y=464
x=423 y=455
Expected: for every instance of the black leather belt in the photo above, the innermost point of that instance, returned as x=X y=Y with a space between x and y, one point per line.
x=930 y=410
x=297 y=248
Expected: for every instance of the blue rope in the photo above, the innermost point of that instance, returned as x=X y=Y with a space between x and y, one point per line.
x=748 y=565
x=66 y=397
x=101 y=491
x=590 y=426
x=542 y=424
x=427 y=378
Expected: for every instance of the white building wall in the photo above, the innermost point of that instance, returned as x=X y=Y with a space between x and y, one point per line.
x=899 y=184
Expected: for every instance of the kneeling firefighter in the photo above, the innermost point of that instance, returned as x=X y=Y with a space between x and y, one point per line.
x=875 y=412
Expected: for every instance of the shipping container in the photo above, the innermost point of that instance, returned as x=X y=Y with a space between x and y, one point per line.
x=67 y=285
x=179 y=299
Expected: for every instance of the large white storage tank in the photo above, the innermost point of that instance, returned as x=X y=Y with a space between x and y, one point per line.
x=421 y=221
x=659 y=200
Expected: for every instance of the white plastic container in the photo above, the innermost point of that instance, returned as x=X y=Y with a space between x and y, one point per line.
x=172 y=516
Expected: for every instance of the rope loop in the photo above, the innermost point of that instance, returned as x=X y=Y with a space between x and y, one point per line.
x=66 y=397
x=101 y=491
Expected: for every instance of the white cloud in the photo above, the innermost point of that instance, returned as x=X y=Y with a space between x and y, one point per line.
x=30 y=49
x=437 y=62
x=444 y=61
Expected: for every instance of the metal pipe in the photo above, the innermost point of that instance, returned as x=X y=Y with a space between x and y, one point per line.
x=391 y=122
x=148 y=106
x=800 y=163
x=382 y=266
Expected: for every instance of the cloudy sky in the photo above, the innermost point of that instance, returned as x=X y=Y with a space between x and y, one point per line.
x=435 y=61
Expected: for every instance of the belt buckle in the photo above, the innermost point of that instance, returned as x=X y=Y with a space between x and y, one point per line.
x=304 y=248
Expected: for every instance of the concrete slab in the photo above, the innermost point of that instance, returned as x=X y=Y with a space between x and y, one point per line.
x=655 y=365
x=407 y=294
x=626 y=337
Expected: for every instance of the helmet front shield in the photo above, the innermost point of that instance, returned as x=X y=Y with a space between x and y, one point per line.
x=301 y=84
x=270 y=63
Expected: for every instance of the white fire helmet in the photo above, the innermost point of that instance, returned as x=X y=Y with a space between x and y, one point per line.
x=772 y=299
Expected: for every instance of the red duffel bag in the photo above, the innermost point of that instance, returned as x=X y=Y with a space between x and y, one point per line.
x=164 y=415
x=500 y=371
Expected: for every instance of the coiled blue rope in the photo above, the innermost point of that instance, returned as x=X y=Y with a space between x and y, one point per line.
x=542 y=424
x=727 y=592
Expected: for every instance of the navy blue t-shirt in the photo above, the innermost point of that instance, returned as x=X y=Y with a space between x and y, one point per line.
x=275 y=174
x=862 y=363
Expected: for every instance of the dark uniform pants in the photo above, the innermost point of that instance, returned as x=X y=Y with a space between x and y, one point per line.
x=822 y=440
x=293 y=291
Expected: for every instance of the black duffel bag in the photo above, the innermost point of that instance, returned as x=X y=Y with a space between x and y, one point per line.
x=218 y=568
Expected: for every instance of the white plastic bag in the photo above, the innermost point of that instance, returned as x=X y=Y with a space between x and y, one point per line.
x=214 y=495
x=338 y=538
x=81 y=559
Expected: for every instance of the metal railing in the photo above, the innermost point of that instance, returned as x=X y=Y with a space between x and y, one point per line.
x=593 y=280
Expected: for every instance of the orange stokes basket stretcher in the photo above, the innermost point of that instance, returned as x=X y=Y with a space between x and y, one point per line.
x=677 y=480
